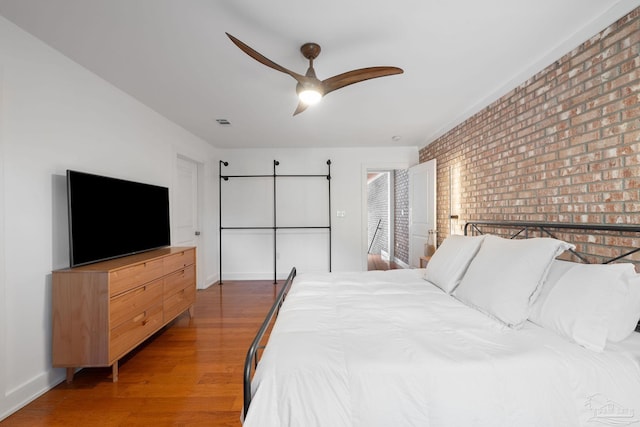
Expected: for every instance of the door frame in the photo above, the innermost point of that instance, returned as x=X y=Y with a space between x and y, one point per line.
x=390 y=214
x=364 y=232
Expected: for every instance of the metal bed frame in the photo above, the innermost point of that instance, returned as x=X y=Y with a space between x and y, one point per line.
x=510 y=229
x=514 y=229
x=251 y=360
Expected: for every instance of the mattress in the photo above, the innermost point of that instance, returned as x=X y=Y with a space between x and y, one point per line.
x=387 y=348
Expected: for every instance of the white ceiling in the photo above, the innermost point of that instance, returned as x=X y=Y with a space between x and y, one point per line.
x=173 y=56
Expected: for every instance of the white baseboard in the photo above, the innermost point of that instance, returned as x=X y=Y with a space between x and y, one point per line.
x=252 y=276
x=24 y=394
x=401 y=263
x=211 y=280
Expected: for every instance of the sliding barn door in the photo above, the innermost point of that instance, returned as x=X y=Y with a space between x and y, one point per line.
x=422 y=208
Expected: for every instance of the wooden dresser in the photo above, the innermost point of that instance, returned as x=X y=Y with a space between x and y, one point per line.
x=104 y=310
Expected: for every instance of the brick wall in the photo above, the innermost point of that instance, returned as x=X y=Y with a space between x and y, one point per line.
x=563 y=146
x=401 y=220
x=378 y=209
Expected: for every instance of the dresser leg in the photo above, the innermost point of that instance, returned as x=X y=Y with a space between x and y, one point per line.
x=70 y=373
x=114 y=371
x=191 y=311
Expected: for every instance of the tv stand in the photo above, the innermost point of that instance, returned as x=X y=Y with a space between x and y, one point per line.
x=102 y=311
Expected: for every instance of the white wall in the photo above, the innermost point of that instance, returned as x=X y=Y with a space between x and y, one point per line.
x=249 y=255
x=55 y=115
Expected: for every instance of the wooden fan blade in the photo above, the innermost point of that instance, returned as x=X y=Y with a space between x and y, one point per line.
x=301 y=107
x=263 y=59
x=355 y=76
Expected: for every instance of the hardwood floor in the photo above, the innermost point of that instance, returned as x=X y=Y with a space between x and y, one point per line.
x=189 y=374
x=375 y=262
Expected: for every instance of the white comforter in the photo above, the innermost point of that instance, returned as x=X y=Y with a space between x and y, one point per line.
x=390 y=349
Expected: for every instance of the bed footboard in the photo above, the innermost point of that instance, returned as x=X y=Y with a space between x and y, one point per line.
x=251 y=361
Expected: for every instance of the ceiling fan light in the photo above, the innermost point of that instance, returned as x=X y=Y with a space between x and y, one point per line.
x=309 y=96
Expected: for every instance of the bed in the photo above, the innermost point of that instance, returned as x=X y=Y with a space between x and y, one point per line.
x=458 y=343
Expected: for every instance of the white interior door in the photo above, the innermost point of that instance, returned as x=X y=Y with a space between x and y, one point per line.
x=186 y=206
x=422 y=208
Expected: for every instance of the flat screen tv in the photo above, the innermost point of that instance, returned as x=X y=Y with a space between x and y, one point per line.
x=110 y=217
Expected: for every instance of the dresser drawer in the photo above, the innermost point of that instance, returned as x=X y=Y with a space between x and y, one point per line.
x=179 y=260
x=178 y=302
x=130 y=304
x=130 y=333
x=179 y=280
x=127 y=278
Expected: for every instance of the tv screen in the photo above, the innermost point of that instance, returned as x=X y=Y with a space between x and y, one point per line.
x=110 y=217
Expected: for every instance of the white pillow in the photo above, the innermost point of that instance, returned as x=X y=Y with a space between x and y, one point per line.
x=450 y=261
x=627 y=311
x=503 y=279
x=556 y=270
x=586 y=303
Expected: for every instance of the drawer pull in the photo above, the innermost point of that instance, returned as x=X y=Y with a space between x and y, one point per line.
x=139 y=291
x=139 y=317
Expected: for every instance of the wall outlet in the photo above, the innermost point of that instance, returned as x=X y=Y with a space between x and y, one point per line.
x=341 y=214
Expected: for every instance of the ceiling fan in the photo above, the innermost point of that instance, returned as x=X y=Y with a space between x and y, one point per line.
x=310 y=89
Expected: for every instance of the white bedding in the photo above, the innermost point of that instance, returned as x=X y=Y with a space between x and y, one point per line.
x=390 y=349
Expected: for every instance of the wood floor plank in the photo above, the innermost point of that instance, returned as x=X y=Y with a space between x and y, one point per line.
x=188 y=374
x=375 y=262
